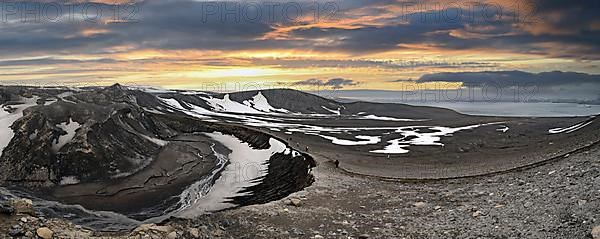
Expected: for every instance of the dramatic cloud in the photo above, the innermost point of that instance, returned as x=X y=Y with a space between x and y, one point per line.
x=184 y=42
x=335 y=83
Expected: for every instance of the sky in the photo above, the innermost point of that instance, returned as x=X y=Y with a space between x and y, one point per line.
x=350 y=44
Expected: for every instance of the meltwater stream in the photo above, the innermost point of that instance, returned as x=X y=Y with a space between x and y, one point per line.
x=245 y=169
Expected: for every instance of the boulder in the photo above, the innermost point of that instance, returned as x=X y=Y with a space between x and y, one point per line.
x=172 y=235
x=295 y=202
x=45 y=233
x=194 y=232
x=596 y=232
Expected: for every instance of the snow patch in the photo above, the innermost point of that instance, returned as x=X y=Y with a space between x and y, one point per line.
x=504 y=129
x=70 y=180
x=7 y=118
x=260 y=102
x=69 y=127
x=365 y=140
x=411 y=136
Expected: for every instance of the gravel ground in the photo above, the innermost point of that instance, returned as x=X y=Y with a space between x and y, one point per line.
x=555 y=200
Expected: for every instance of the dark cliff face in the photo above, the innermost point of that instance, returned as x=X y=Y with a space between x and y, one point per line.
x=112 y=139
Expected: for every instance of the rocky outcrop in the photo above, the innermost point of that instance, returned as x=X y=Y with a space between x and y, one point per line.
x=114 y=138
x=286 y=174
x=28 y=158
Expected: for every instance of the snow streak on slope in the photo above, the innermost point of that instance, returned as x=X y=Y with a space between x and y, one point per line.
x=257 y=105
x=571 y=128
x=245 y=169
x=410 y=135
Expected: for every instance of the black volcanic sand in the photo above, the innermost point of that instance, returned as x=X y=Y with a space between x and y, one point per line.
x=183 y=161
x=478 y=151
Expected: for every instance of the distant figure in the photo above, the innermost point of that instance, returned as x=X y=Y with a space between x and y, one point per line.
x=388 y=156
x=306 y=148
x=337 y=163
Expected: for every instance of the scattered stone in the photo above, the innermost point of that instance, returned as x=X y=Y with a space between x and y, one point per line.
x=144 y=227
x=296 y=231
x=194 y=232
x=16 y=232
x=172 y=235
x=363 y=236
x=295 y=202
x=318 y=237
x=23 y=219
x=437 y=207
x=45 y=233
x=596 y=232
x=420 y=204
x=477 y=214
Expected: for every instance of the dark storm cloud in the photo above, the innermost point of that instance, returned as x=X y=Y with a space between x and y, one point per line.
x=335 y=83
x=512 y=78
x=534 y=35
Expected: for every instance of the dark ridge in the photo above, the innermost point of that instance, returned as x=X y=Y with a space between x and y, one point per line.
x=286 y=175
